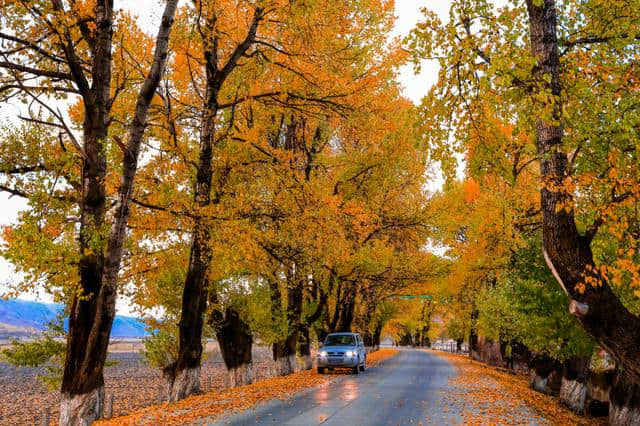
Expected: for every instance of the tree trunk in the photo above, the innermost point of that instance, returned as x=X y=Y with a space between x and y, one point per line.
x=474 y=350
x=236 y=342
x=284 y=352
x=304 y=361
x=573 y=391
x=568 y=254
x=543 y=374
x=599 y=391
x=347 y=310
x=368 y=339
x=624 y=401
x=406 y=339
x=93 y=311
x=489 y=352
x=459 y=345
x=335 y=318
x=183 y=376
x=82 y=391
x=376 y=335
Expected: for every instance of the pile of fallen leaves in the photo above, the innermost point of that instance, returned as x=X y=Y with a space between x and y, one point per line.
x=496 y=396
x=229 y=401
x=380 y=355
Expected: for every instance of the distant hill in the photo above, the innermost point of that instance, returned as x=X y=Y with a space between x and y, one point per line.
x=22 y=317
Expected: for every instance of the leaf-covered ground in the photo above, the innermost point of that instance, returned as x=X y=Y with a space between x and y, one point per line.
x=493 y=396
x=213 y=404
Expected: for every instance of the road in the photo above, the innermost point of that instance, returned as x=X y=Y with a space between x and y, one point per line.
x=407 y=389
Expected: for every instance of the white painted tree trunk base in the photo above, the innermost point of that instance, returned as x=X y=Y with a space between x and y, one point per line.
x=81 y=410
x=285 y=365
x=573 y=394
x=241 y=376
x=186 y=382
x=304 y=363
x=537 y=382
x=623 y=416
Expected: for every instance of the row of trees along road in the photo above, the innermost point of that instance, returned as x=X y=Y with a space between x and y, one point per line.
x=541 y=99
x=250 y=173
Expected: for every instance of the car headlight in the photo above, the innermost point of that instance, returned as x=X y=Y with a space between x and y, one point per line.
x=323 y=353
x=351 y=353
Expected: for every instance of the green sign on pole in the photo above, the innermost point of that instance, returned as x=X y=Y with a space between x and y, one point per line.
x=410 y=296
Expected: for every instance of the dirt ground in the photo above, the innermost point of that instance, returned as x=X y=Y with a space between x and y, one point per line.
x=133 y=384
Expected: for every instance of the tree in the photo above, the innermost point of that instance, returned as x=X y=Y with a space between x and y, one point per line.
x=518 y=55
x=71 y=52
x=296 y=74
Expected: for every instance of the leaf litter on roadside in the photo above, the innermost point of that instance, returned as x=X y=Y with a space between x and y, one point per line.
x=214 y=404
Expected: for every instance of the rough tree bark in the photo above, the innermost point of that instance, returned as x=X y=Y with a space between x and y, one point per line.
x=599 y=391
x=567 y=252
x=236 y=342
x=183 y=376
x=542 y=374
x=427 y=312
x=367 y=321
x=91 y=318
x=304 y=341
x=284 y=351
x=624 y=401
x=474 y=350
x=376 y=335
x=573 y=391
x=347 y=308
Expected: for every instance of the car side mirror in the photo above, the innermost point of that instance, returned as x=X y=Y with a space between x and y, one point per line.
x=320 y=344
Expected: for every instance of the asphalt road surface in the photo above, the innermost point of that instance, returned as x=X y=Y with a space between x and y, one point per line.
x=408 y=389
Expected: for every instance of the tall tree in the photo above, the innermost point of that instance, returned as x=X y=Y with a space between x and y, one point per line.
x=532 y=58
x=266 y=61
x=568 y=253
x=71 y=52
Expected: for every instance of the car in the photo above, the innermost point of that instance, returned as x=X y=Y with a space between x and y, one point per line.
x=342 y=350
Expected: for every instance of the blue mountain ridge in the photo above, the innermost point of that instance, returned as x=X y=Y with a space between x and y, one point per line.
x=25 y=313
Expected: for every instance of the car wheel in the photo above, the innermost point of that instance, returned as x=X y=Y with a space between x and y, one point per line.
x=364 y=364
x=320 y=370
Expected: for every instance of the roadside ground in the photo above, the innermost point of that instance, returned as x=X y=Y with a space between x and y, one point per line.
x=494 y=396
x=229 y=401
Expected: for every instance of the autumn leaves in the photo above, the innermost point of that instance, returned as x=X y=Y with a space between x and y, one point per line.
x=269 y=185
x=538 y=97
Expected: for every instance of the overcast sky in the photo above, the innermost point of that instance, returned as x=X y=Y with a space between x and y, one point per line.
x=149 y=11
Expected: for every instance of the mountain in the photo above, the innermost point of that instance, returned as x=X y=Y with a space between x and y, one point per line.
x=22 y=317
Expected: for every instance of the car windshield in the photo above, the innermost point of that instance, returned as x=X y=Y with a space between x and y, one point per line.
x=340 y=340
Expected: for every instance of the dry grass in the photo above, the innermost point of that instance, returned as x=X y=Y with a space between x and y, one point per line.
x=228 y=401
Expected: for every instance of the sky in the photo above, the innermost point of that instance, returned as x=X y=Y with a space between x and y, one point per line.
x=149 y=12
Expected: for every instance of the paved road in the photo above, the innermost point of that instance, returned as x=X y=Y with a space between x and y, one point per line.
x=407 y=389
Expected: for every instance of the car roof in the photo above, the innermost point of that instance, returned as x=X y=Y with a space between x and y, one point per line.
x=344 y=333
